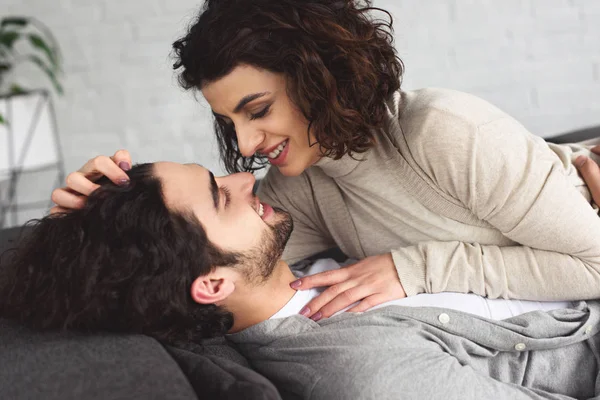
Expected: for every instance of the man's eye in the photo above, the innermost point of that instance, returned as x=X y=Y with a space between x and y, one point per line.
x=227 y=193
x=261 y=113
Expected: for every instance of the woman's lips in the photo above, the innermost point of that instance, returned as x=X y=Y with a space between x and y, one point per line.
x=281 y=157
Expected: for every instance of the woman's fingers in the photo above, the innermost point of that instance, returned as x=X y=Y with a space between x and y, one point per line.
x=78 y=183
x=369 y=302
x=334 y=299
x=327 y=278
x=101 y=166
x=65 y=199
x=591 y=174
x=57 y=209
x=81 y=184
x=123 y=159
x=341 y=301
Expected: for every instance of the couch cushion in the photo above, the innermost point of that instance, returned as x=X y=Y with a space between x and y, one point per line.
x=62 y=365
x=221 y=377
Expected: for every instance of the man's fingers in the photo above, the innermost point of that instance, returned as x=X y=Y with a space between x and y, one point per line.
x=65 y=199
x=327 y=278
x=591 y=175
x=78 y=183
x=596 y=149
x=369 y=303
x=100 y=166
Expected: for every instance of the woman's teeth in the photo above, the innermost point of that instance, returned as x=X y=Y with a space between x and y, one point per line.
x=261 y=210
x=275 y=153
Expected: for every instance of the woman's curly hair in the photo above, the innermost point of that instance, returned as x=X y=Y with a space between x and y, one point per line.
x=340 y=64
x=124 y=263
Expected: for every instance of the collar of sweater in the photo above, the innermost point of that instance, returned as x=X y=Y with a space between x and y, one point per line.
x=342 y=167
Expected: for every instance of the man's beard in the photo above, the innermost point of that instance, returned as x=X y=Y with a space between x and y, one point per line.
x=259 y=263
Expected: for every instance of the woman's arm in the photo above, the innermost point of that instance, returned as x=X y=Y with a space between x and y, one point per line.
x=511 y=180
x=590 y=171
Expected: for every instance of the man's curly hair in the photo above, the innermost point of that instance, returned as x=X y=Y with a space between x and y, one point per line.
x=124 y=263
x=339 y=62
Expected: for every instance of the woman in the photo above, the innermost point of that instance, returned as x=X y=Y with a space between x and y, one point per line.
x=434 y=190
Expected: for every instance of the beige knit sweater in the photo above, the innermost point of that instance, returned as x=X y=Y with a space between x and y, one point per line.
x=461 y=194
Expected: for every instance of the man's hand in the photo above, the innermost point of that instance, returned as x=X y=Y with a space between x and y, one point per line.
x=371 y=281
x=591 y=173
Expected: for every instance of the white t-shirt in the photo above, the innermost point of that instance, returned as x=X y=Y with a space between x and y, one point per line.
x=471 y=303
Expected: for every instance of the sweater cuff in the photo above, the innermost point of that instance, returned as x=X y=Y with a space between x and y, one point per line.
x=411 y=269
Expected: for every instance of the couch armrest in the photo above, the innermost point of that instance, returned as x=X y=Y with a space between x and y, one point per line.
x=576 y=136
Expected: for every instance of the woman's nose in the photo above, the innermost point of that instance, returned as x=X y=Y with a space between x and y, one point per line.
x=248 y=140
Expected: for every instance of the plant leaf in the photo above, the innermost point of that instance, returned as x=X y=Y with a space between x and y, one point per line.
x=4 y=68
x=16 y=89
x=51 y=74
x=2 y=120
x=17 y=21
x=38 y=42
x=8 y=38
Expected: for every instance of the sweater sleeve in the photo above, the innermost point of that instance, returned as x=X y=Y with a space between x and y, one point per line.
x=512 y=181
x=293 y=194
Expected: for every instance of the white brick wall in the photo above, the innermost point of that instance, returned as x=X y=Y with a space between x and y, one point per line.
x=537 y=59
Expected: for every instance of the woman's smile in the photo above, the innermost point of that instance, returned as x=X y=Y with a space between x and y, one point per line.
x=278 y=156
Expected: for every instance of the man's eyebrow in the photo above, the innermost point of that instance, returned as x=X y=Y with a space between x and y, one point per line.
x=214 y=190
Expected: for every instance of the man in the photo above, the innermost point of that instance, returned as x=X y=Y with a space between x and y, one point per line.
x=130 y=259
x=180 y=255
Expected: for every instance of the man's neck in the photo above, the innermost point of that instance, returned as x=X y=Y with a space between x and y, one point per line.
x=259 y=303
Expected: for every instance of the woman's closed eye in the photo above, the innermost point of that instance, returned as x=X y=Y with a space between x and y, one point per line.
x=261 y=113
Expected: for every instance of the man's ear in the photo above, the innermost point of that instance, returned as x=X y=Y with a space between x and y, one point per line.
x=212 y=288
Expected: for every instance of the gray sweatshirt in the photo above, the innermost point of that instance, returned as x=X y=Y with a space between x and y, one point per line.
x=430 y=353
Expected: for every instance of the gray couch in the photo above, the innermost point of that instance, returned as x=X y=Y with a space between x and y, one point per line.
x=66 y=366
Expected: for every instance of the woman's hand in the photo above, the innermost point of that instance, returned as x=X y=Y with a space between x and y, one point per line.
x=591 y=173
x=371 y=282
x=81 y=183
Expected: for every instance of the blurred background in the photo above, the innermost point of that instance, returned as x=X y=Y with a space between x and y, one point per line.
x=539 y=60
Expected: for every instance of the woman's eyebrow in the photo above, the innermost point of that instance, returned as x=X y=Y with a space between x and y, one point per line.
x=247 y=99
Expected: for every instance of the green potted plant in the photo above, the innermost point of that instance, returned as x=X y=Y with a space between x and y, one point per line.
x=26 y=40
x=30 y=154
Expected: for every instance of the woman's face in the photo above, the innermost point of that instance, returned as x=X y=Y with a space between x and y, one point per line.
x=266 y=122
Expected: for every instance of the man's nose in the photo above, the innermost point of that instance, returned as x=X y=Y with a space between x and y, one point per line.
x=249 y=139
x=243 y=181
